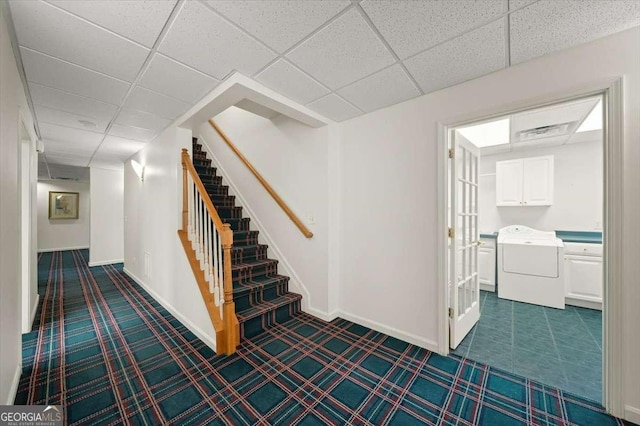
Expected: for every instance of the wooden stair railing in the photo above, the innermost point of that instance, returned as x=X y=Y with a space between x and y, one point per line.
x=207 y=242
x=264 y=183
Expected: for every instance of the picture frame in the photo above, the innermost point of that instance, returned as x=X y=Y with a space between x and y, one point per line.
x=63 y=205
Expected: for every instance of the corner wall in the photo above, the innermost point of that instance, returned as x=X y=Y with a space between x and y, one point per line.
x=107 y=216
x=153 y=254
x=63 y=234
x=389 y=213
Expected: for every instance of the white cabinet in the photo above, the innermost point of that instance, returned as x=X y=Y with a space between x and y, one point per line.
x=487 y=264
x=583 y=275
x=525 y=182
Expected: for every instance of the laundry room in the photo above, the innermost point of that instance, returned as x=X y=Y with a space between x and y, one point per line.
x=527 y=213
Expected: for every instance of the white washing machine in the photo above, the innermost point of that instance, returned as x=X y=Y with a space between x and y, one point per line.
x=530 y=266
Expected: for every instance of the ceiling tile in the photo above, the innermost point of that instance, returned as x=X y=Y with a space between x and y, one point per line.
x=54 y=116
x=118 y=147
x=50 y=30
x=62 y=75
x=70 y=135
x=412 y=26
x=343 y=52
x=384 y=88
x=516 y=4
x=548 y=26
x=155 y=103
x=53 y=147
x=63 y=101
x=69 y=160
x=167 y=76
x=203 y=40
x=141 y=119
x=334 y=107
x=279 y=24
x=135 y=133
x=141 y=21
x=471 y=55
x=286 y=79
x=107 y=162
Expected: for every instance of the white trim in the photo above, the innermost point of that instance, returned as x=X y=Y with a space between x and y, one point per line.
x=632 y=414
x=106 y=262
x=295 y=280
x=13 y=391
x=393 y=332
x=184 y=320
x=325 y=316
x=488 y=287
x=442 y=293
x=589 y=304
x=613 y=349
x=48 y=250
x=34 y=309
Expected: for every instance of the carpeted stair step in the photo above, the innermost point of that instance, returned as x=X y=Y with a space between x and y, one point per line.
x=248 y=253
x=245 y=238
x=229 y=212
x=205 y=170
x=251 y=269
x=223 y=200
x=261 y=289
x=237 y=224
x=213 y=190
x=257 y=319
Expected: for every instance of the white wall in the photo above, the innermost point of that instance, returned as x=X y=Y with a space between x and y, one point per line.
x=107 y=216
x=577 y=200
x=389 y=190
x=12 y=100
x=152 y=214
x=64 y=234
x=292 y=157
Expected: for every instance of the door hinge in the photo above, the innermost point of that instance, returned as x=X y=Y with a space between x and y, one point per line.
x=451 y=233
x=450 y=312
x=452 y=153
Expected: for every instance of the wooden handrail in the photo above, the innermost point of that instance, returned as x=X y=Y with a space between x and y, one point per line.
x=227 y=328
x=264 y=183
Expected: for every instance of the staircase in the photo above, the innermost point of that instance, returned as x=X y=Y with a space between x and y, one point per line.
x=261 y=295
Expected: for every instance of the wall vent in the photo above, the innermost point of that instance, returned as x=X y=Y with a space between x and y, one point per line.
x=545 y=131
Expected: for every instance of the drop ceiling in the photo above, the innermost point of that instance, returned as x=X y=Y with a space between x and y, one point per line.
x=106 y=76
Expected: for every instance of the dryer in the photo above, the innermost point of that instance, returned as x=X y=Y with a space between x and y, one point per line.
x=530 y=267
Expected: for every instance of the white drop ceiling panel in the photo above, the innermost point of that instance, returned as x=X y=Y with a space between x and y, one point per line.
x=140 y=20
x=54 y=116
x=172 y=78
x=203 y=40
x=155 y=103
x=69 y=160
x=135 y=133
x=334 y=107
x=343 y=52
x=551 y=25
x=119 y=147
x=47 y=29
x=129 y=117
x=62 y=75
x=516 y=4
x=74 y=137
x=279 y=24
x=570 y=112
x=68 y=102
x=469 y=56
x=412 y=26
x=384 y=88
x=286 y=79
x=63 y=148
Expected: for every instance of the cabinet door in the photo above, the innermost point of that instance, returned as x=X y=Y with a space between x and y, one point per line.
x=487 y=265
x=538 y=181
x=509 y=183
x=583 y=277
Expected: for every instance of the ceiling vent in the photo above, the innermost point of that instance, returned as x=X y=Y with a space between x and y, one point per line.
x=545 y=131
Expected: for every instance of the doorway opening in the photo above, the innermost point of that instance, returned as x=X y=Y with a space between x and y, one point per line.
x=526 y=218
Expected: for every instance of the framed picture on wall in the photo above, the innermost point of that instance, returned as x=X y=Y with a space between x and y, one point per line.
x=63 y=205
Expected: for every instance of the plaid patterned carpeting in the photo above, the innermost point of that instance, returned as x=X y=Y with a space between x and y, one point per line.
x=110 y=354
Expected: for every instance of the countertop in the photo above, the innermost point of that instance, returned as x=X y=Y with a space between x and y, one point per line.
x=589 y=237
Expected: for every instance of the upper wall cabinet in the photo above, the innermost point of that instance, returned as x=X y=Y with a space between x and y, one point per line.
x=525 y=182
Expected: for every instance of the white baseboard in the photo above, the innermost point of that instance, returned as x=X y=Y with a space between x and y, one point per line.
x=632 y=414
x=488 y=287
x=394 y=332
x=34 y=309
x=210 y=341
x=583 y=303
x=14 y=385
x=106 y=262
x=325 y=316
x=47 y=250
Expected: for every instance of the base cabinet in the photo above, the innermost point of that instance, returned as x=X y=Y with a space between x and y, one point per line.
x=487 y=264
x=583 y=272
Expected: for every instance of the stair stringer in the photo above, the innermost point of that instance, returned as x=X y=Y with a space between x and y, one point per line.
x=294 y=278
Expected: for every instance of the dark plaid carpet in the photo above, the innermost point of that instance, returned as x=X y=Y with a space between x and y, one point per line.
x=110 y=354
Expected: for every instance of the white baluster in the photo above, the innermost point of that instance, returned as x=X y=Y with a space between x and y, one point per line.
x=220 y=273
x=216 y=265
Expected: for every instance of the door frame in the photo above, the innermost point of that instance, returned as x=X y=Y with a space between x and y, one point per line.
x=613 y=149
